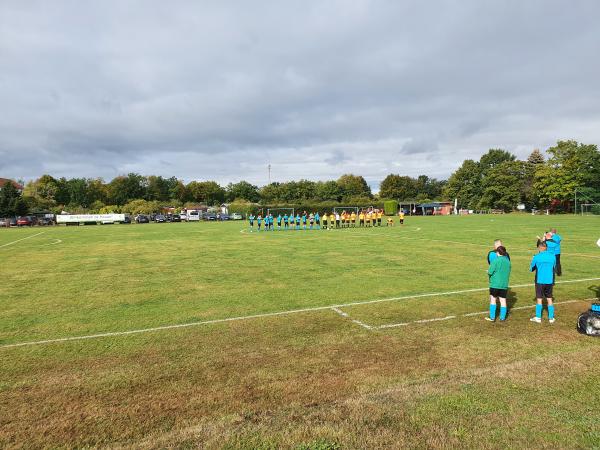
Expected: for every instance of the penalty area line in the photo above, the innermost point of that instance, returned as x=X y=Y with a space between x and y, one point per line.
x=22 y=239
x=264 y=315
x=478 y=313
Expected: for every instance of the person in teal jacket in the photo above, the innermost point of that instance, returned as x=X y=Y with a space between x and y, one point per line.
x=544 y=265
x=499 y=274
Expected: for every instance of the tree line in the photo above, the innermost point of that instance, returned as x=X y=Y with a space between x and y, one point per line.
x=498 y=180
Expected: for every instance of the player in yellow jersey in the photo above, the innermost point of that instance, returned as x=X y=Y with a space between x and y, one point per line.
x=401 y=215
x=379 y=217
x=353 y=219
x=331 y=220
x=361 y=218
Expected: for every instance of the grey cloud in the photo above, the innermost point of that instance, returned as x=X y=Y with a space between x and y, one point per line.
x=220 y=91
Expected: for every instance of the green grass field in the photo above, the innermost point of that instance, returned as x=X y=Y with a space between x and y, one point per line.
x=313 y=378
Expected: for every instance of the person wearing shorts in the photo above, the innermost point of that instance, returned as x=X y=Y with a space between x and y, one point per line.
x=325 y=221
x=361 y=219
x=286 y=221
x=401 y=215
x=499 y=274
x=251 y=219
x=259 y=221
x=544 y=265
x=379 y=217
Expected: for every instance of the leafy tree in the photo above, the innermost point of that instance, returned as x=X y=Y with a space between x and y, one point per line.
x=124 y=188
x=354 y=186
x=493 y=158
x=9 y=196
x=328 y=190
x=571 y=166
x=398 y=187
x=465 y=184
x=157 y=188
x=242 y=190
x=139 y=206
x=208 y=192
x=536 y=157
x=503 y=186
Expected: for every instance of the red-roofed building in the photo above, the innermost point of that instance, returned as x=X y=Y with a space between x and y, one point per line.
x=3 y=181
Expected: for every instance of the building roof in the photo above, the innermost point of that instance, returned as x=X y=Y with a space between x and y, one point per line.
x=434 y=204
x=3 y=181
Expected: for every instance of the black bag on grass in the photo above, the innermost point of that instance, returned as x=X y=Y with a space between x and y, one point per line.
x=589 y=321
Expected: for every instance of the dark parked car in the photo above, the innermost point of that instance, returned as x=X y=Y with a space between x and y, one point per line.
x=24 y=221
x=174 y=218
x=224 y=217
x=210 y=216
x=141 y=218
x=46 y=221
x=160 y=218
x=12 y=222
x=127 y=220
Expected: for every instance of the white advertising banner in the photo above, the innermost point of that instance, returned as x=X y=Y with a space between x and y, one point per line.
x=78 y=218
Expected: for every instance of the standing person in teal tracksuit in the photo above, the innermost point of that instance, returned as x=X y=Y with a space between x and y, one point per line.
x=543 y=264
x=297 y=221
x=259 y=222
x=251 y=220
x=499 y=274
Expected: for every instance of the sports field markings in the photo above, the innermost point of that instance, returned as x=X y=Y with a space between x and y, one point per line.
x=357 y=322
x=56 y=241
x=22 y=239
x=478 y=313
x=264 y=315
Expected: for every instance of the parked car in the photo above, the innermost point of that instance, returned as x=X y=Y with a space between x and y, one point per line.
x=46 y=221
x=4 y=223
x=223 y=216
x=160 y=218
x=236 y=216
x=24 y=221
x=12 y=222
x=210 y=216
x=141 y=218
x=174 y=218
x=127 y=220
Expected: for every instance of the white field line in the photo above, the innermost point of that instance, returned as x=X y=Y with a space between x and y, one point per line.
x=56 y=241
x=22 y=239
x=357 y=322
x=479 y=313
x=263 y=315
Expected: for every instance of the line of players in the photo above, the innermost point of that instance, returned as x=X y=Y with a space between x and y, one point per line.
x=315 y=221
x=545 y=264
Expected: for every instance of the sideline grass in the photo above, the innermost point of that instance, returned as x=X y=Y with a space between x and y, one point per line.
x=284 y=381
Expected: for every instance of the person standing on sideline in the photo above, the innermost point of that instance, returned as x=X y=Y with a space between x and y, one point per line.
x=499 y=274
x=279 y=219
x=251 y=220
x=401 y=215
x=543 y=264
x=492 y=254
x=317 y=220
x=325 y=220
x=558 y=239
x=259 y=222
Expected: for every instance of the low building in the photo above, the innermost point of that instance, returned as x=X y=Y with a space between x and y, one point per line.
x=4 y=181
x=435 y=209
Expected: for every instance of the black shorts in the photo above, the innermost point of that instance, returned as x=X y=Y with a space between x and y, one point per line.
x=498 y=292
x=543 y=290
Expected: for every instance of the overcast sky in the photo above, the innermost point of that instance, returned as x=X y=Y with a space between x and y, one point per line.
x=218 y=90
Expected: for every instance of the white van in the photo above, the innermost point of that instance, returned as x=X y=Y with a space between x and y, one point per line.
x=193 y=215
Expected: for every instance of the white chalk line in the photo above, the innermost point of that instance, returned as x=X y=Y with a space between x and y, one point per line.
x=56 y=241
x=357 y=322
x=478 y=313
x=264 y=315
x=22 y=239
